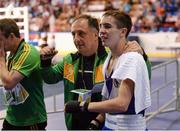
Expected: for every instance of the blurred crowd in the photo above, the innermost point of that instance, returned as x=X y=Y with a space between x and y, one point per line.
x=57 y=15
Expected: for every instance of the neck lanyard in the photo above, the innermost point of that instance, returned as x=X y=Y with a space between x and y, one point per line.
x=82 y=73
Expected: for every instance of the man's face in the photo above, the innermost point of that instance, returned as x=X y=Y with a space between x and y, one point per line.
x=85 y=38
x=109 y=33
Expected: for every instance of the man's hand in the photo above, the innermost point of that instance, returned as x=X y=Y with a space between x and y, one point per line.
x=43 y=45
x=76 y=107
x=133 y=46
x=95 y=125
x=47 y=54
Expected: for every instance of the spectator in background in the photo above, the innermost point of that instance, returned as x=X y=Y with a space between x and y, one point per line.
x=177 y=23
x=108 y=5
x=126 y=6
x=48 y=15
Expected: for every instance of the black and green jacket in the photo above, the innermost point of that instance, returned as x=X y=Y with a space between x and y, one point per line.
x=67 y=70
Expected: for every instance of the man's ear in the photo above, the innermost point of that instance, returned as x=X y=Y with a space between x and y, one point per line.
x=11 y=35
x=123 y=31
x=97 y=34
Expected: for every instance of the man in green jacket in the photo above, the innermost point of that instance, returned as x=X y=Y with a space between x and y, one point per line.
x=80 y=70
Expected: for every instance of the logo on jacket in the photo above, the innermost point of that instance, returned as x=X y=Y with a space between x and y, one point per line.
x=69 y=72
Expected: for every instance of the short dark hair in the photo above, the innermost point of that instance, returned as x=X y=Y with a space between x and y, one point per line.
x=8 y=26
x=92 y=22
x=123 y=20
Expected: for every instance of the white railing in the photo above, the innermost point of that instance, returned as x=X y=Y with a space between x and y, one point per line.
x=20 y=15
x=167 y=90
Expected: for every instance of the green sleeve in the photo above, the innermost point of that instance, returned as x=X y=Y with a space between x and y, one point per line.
x=53 y=74
x=28 y=61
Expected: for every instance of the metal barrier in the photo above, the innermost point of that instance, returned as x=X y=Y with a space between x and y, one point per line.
x=161 y=108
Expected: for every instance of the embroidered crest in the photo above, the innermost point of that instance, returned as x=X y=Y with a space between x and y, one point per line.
x=99 y=75
x=69 y=72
